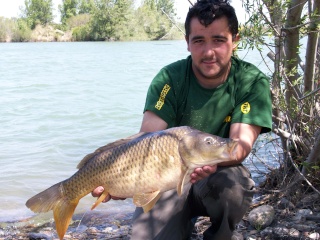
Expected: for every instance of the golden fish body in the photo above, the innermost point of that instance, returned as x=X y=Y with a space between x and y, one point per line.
x=141 y=166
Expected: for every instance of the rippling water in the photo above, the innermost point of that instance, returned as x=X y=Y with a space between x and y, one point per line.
x=60 y=101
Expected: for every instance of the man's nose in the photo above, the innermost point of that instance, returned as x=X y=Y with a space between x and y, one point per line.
x=209 y=50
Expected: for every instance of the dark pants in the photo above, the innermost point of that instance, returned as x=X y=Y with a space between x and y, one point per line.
x=224 y=196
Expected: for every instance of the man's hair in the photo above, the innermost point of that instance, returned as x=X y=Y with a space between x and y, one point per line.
x=209 y=10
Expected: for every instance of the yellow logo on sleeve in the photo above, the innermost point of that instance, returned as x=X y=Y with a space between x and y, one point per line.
x=163 y=95
x=245 y=108
x=227 y=119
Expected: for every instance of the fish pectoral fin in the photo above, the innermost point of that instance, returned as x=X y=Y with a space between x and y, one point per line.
x=100 y=199
x=150 y=205
x=184 y=178
x=146 y=200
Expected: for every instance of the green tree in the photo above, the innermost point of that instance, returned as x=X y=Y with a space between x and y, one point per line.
x=110 y=19
x=295 y=84
x=38 y=12
x=155 y=23
x=102 y=22
x=86 y=6
x=14 y=30
x=168 y=7
x=161 y=5
x=123 y=15
x=69 y=8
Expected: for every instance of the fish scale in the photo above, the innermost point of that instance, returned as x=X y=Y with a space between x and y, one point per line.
x=142 y=166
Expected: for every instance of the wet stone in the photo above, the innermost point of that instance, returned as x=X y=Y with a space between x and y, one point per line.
x=38 y=236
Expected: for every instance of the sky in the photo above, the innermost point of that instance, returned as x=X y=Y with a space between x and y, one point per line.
x=10 y=8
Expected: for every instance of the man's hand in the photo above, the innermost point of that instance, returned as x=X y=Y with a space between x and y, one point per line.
x=200 y=173
x=99 y=190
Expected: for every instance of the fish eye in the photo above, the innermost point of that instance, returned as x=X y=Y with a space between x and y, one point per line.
x=209 y=140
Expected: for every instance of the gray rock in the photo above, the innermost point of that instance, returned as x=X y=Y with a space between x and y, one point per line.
x=315 y=236
x=38 y=236
x=285 y=203
x=301 y=214
x=304 y=212
x=281 y=232
x=261 y=217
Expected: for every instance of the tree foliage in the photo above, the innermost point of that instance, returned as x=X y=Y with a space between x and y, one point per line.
x=68 y=9
x=293 y=43
x=105 y=20
x=14 y=30
x=71 y=8
x=38 y=12
x=85 y=6
x=118 y=20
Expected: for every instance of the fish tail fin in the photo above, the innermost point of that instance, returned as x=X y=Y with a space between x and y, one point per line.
x=62 y=215
x=54 y=199
x=47 y=199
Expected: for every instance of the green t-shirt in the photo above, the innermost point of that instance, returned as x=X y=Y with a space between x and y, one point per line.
x=176 y=96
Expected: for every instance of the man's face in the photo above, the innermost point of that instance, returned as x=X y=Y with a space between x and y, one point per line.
x=211 y=49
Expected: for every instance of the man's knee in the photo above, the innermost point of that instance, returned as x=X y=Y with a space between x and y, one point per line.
x=231 y=188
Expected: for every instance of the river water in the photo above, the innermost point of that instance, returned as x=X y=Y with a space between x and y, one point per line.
x=61 y=101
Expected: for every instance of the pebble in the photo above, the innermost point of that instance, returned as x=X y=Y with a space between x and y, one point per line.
x=315 y=236
x=261 y=216
x=284 y=222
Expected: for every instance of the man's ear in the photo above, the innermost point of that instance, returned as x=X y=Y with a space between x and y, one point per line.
x=235 y=41
x=187 y=40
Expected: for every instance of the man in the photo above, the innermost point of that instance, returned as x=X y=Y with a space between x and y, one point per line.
x=216 y=93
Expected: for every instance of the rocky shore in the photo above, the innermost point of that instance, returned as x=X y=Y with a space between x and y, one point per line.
x=268 y=218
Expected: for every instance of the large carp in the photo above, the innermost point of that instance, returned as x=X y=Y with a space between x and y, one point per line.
x=142 y=166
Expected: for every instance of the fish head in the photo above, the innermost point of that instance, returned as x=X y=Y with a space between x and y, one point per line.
x=198 y=149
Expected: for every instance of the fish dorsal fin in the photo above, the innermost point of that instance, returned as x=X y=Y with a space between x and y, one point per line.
x=100 y=199
x=108 y=147
x=146 y=200
x=184 y=179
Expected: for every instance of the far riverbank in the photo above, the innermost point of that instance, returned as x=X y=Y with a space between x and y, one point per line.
x=51 y=33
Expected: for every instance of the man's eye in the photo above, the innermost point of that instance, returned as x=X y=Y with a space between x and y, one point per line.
x=198 y=41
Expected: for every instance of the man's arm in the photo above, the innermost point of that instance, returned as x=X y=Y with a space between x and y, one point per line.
x=152 y=122
x=246 y=134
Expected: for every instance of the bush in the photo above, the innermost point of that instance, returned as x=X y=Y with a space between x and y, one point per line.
x=81 y=33
x=23 y=31
x=78 y=20
x=14 y=30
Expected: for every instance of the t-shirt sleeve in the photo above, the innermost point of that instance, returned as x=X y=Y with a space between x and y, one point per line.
x=253 y=103
x=161 y=98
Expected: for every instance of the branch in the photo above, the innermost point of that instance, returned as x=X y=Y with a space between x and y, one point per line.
x=268 y=22
x=286 y=78
x=301 y=25
x=172 y=21
x=315 y=152
x=297 y=179
x=312 y=93
x=190 y=2
x=284 y=134
x=298 y=171
x=278 y=119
